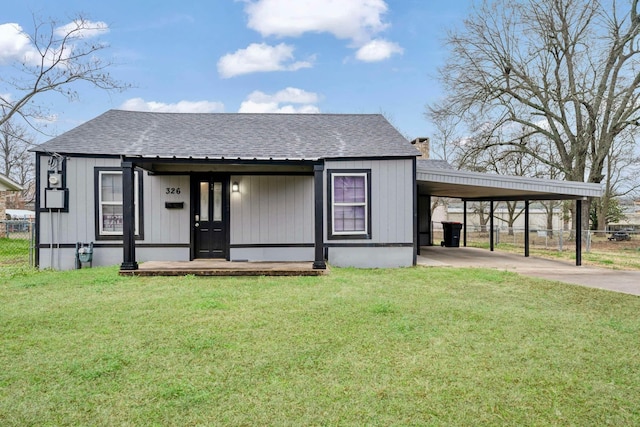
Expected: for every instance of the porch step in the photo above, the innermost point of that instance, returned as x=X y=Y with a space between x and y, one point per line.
x=223 y=268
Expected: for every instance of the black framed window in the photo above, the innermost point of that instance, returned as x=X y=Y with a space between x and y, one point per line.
x=109 y=210
x=349 y=204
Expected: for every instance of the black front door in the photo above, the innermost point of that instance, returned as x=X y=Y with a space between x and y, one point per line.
x=210 y=216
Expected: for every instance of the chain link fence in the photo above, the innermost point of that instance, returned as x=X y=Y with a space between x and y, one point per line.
x=560 y=240
x=17 y=243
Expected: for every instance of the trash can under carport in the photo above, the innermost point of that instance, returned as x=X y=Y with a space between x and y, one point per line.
x=451 y=234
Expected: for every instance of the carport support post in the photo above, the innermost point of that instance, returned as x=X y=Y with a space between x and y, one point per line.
x=491 y=225
x=128 y=218
x=526 y=228
x=464 y=223
x=318 y=263
x=578 y=232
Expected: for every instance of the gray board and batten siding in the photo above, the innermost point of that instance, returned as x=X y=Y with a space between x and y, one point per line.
x=270 y=156
x=269 y=210
x=166 y=232
x=392 y=236
x=272 y=218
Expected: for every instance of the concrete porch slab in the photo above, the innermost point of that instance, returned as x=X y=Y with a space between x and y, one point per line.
x=213 y=267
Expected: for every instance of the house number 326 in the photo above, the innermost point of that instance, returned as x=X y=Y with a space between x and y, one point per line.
x=173 y=190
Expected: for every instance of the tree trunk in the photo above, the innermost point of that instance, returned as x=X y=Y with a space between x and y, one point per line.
x=549 y=208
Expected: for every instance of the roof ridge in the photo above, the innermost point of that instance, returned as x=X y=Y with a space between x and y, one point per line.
x=243 y=114
x=233 y=135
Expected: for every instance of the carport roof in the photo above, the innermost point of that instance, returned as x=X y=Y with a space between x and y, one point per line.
x=436 y=179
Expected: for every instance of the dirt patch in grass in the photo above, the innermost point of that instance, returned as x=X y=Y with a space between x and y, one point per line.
x=613 y=246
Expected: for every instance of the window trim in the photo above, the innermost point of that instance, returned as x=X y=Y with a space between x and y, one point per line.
x=100 y=234
x=344 y=235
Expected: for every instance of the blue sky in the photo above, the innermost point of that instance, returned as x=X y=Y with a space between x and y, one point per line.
x=326 y=56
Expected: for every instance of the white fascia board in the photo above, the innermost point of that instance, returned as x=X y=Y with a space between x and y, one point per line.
x=538 y=185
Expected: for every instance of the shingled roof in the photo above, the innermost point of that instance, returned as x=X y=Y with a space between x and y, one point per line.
x=233 y=136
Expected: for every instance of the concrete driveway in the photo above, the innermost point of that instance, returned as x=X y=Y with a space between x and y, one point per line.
x=613 y=280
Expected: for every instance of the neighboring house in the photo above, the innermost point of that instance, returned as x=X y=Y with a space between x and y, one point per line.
x=242 y=187
x=21 y=214
x=6 y=184
x=538 y=216
x=631 y=220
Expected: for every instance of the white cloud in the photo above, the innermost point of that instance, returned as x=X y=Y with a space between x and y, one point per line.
x=260 y=102
x=260 y=57
x=378 y=50
x=82 y=29
x=290 y=94
x=355 y=20
x=139 y=104
x=14 y=43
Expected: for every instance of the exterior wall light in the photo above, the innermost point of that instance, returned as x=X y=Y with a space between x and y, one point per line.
x=235 y=187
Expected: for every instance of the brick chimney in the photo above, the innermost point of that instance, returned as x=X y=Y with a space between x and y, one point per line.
x=422 y=144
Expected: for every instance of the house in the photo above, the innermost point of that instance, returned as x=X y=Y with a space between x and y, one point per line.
x=242 y=187
x=342 y=188
x=631 y=216
x=6 y=184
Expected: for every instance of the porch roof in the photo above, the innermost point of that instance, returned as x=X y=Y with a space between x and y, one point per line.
x=439 y=179
x=228 y=136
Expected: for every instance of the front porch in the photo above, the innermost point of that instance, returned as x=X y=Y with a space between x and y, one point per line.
x=216 y=267
x=277 y=208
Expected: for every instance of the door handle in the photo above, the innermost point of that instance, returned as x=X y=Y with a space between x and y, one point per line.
x=197 y=224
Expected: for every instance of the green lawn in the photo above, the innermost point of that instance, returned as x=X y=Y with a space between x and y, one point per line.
x=415 y=346
x=14 y=252
x=624 y=258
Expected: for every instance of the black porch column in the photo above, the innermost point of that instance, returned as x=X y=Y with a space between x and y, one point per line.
x=429 y=222
x=578 y=232
x=128 y=218
x=526 y=228
x=416 y=228
x=318 y=193
x=464 y=223
x=491 y=225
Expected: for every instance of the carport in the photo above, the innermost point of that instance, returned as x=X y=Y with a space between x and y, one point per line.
x=437 y=178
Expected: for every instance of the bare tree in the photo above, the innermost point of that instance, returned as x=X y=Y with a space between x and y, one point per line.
x=15 y=160
x=55 y=59
x=564 y=69
x=482 y=209
x=14 y=144
x=621 y=171
x=445 y=144
x=499 y=161
x=446 y=140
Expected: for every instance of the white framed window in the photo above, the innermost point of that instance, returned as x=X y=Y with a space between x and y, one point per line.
x=109 y=210
x=350 y=205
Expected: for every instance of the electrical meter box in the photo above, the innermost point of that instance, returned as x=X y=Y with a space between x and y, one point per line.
x=54 y=180
x=55 y=199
